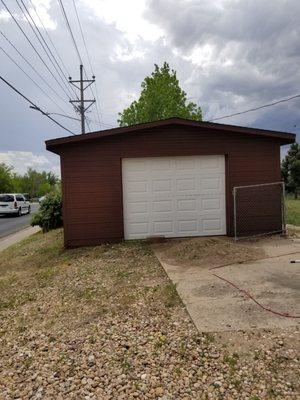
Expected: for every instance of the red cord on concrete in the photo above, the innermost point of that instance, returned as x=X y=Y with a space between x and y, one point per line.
x=253 y=299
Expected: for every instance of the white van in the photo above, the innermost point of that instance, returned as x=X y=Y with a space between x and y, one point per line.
x=14 y=203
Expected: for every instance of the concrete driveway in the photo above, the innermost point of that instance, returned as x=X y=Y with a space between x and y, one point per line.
x=219 y=299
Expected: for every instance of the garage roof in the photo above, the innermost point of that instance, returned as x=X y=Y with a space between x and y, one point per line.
x=284 y=137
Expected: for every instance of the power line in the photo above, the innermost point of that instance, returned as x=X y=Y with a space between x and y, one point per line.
x=29 y=77
x=102 y=123
x=35 y=106
x=70 y=30
x=34 y=69
x=88 y=57
x=63 y=77
x=49 y=38
x=83 y=119
x=82 y=35
x=46 y=49
x=78 y=119
x=256 y=108
x=63 y=115
x=29 y=41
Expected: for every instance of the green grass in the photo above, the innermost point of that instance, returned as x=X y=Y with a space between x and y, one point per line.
x=292 y=211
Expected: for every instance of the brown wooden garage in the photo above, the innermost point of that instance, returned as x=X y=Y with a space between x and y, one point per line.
x=170 y=178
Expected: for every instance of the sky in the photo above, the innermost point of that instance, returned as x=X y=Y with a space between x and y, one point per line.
x=230 y=55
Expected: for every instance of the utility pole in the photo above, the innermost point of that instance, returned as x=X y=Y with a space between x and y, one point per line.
x=81 y=108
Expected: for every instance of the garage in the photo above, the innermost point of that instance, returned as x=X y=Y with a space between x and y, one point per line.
x=170 y=178
x=174 y=196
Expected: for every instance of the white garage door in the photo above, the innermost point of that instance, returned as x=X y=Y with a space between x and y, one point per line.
x=174 y=196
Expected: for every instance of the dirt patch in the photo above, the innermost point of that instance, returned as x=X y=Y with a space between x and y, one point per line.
x=208 y=252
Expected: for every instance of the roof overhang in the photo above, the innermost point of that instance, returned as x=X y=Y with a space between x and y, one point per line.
x=283 y=137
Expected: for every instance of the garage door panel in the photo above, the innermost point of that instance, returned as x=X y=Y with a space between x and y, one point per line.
x=185 y=184
x=162 y=205
x=213 y=224
x=163 y=227
x=137 y=206
x=162 y=185
x=185 y=164
x=166 y=164
x=139 y=217
x=138 y=228
x=137 y=186
x=186 y=204
x=174 y=196
x=211 y=163
x=188 y=226
x=163 y=216
x=211 y=204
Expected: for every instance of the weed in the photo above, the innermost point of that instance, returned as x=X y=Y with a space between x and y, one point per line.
x=161 y=340
x=182 y=349
x=237 y=384
x=45 y=275
x=92 y=339
x=272 y=392
x=232 y=360
x=17 y=301
x=170 y=295
x=126 y=365
x=209 y=337
x=258 y=354
x=87 y=293
x=63 y=357
x=27 y=362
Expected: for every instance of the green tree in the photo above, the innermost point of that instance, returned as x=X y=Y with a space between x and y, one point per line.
x=6 y=183
x=161 y=97
x=32 y=180
x=290 y=169
x=44 y=188
x=52 y=178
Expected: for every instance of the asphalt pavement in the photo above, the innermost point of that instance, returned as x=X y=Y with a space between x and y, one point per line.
x=11 y=224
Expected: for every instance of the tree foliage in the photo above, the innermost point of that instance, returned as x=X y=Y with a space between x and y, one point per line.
x=6 y=184
x=34 y=183
x=290 y=170
x=161 y=97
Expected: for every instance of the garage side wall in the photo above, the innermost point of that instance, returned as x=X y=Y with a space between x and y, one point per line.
x=92 y=174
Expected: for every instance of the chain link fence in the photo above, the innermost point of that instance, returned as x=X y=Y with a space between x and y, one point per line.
x=259 y=210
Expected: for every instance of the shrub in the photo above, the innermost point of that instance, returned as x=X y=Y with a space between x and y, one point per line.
x=49 y=215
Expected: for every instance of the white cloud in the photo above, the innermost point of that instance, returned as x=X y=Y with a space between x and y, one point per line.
x=126 y=54
x=4 y=15
x=127 y=16
x=21 y=160
x=42 y=8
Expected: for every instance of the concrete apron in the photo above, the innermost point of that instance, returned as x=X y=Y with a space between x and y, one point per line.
x=214 y=305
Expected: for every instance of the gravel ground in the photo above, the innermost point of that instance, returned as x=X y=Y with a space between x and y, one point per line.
x=106 y=323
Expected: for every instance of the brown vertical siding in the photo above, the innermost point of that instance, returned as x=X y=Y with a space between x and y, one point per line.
x=92 y=174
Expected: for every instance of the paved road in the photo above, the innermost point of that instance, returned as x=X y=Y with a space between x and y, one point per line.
x=11 y=224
